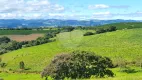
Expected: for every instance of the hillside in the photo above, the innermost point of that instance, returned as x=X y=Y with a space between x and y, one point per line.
x=123 y=25
x=121 y=43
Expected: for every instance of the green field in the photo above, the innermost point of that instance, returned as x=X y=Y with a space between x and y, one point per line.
x=22 y=32
x=128 y=25
x=29 y=76
x=125 y=43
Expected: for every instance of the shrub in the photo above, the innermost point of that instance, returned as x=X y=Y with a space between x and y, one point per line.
x=22 y=65
x=103 y=30
x=88 y=33
x=3 y=65
x=4 y=40
x=111 y=28
x=78 y=64
x=128 y=70
x=100 y=30
x=67 y=29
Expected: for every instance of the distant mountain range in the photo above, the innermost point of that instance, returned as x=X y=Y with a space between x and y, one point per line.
x=18 y=23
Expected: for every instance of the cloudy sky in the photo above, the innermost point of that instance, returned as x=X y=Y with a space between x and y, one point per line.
x=71 y=9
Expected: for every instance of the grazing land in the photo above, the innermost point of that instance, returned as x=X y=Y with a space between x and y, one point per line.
x=32 y=76
x=124 y=43
x=121 y=45
x=126 y=25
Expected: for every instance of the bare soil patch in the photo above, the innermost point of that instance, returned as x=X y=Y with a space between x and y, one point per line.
x=20 y=38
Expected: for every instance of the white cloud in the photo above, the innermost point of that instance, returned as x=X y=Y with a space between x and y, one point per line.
x=56 y=15
x=28 y=7
x=104 y=6
x=98 y=6
x=109 y=15
x=102 y=13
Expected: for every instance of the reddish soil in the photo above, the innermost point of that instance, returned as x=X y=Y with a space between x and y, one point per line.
x=20 y=38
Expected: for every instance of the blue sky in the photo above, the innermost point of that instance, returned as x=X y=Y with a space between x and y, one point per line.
x=71 y=9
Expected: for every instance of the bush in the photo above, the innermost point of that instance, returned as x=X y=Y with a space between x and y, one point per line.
x=111 y=28
x=100 y=30
x=67 y=29
x=3 y=65
x=4 y=40
x=22 y=65
x=78 y=64
x=88 y=33
x=103 y=30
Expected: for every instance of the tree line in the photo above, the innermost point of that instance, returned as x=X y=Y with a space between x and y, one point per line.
x=7 y=45
x=101 y=30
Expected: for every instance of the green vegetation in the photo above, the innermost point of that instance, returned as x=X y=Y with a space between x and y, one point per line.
x=103 y=30
x=23 y=32
x=7 y=45
x=122 y=46
x=22 y=65
x=31 y=76
x=78 y=65
x=88 y=33
x=4 y=40
x=124 y=43
x=20 y=76
x=120 y=26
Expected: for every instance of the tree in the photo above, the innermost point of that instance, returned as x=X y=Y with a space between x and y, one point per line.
x=4 y=40
x=88 y=33
x=78 y=64
x=3 y=65
x=22 y=65
x=100 y=30
x=111 y=28
x=68 y=28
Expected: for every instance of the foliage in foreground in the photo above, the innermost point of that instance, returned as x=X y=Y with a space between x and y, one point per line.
x=78 y=64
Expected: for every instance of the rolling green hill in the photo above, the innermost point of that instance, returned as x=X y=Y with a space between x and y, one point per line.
x=121 y=43
x=128 y=25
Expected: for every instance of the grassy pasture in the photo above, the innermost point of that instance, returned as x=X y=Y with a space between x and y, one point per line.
x=22 y=32
x=126 y=43
x=126 y=25
x=31 y=76
x=122 y=43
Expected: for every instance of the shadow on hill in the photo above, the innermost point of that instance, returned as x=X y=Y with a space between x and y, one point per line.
x=27 y=68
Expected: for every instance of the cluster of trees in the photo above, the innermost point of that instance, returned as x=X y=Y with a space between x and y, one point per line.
x=78 y=64
x=16 y=28
x=4 y=40
x=88 y=33
x=103 y=30
x=40 y=40
x=7 y=45
x=66 y=29
x=10 y=46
